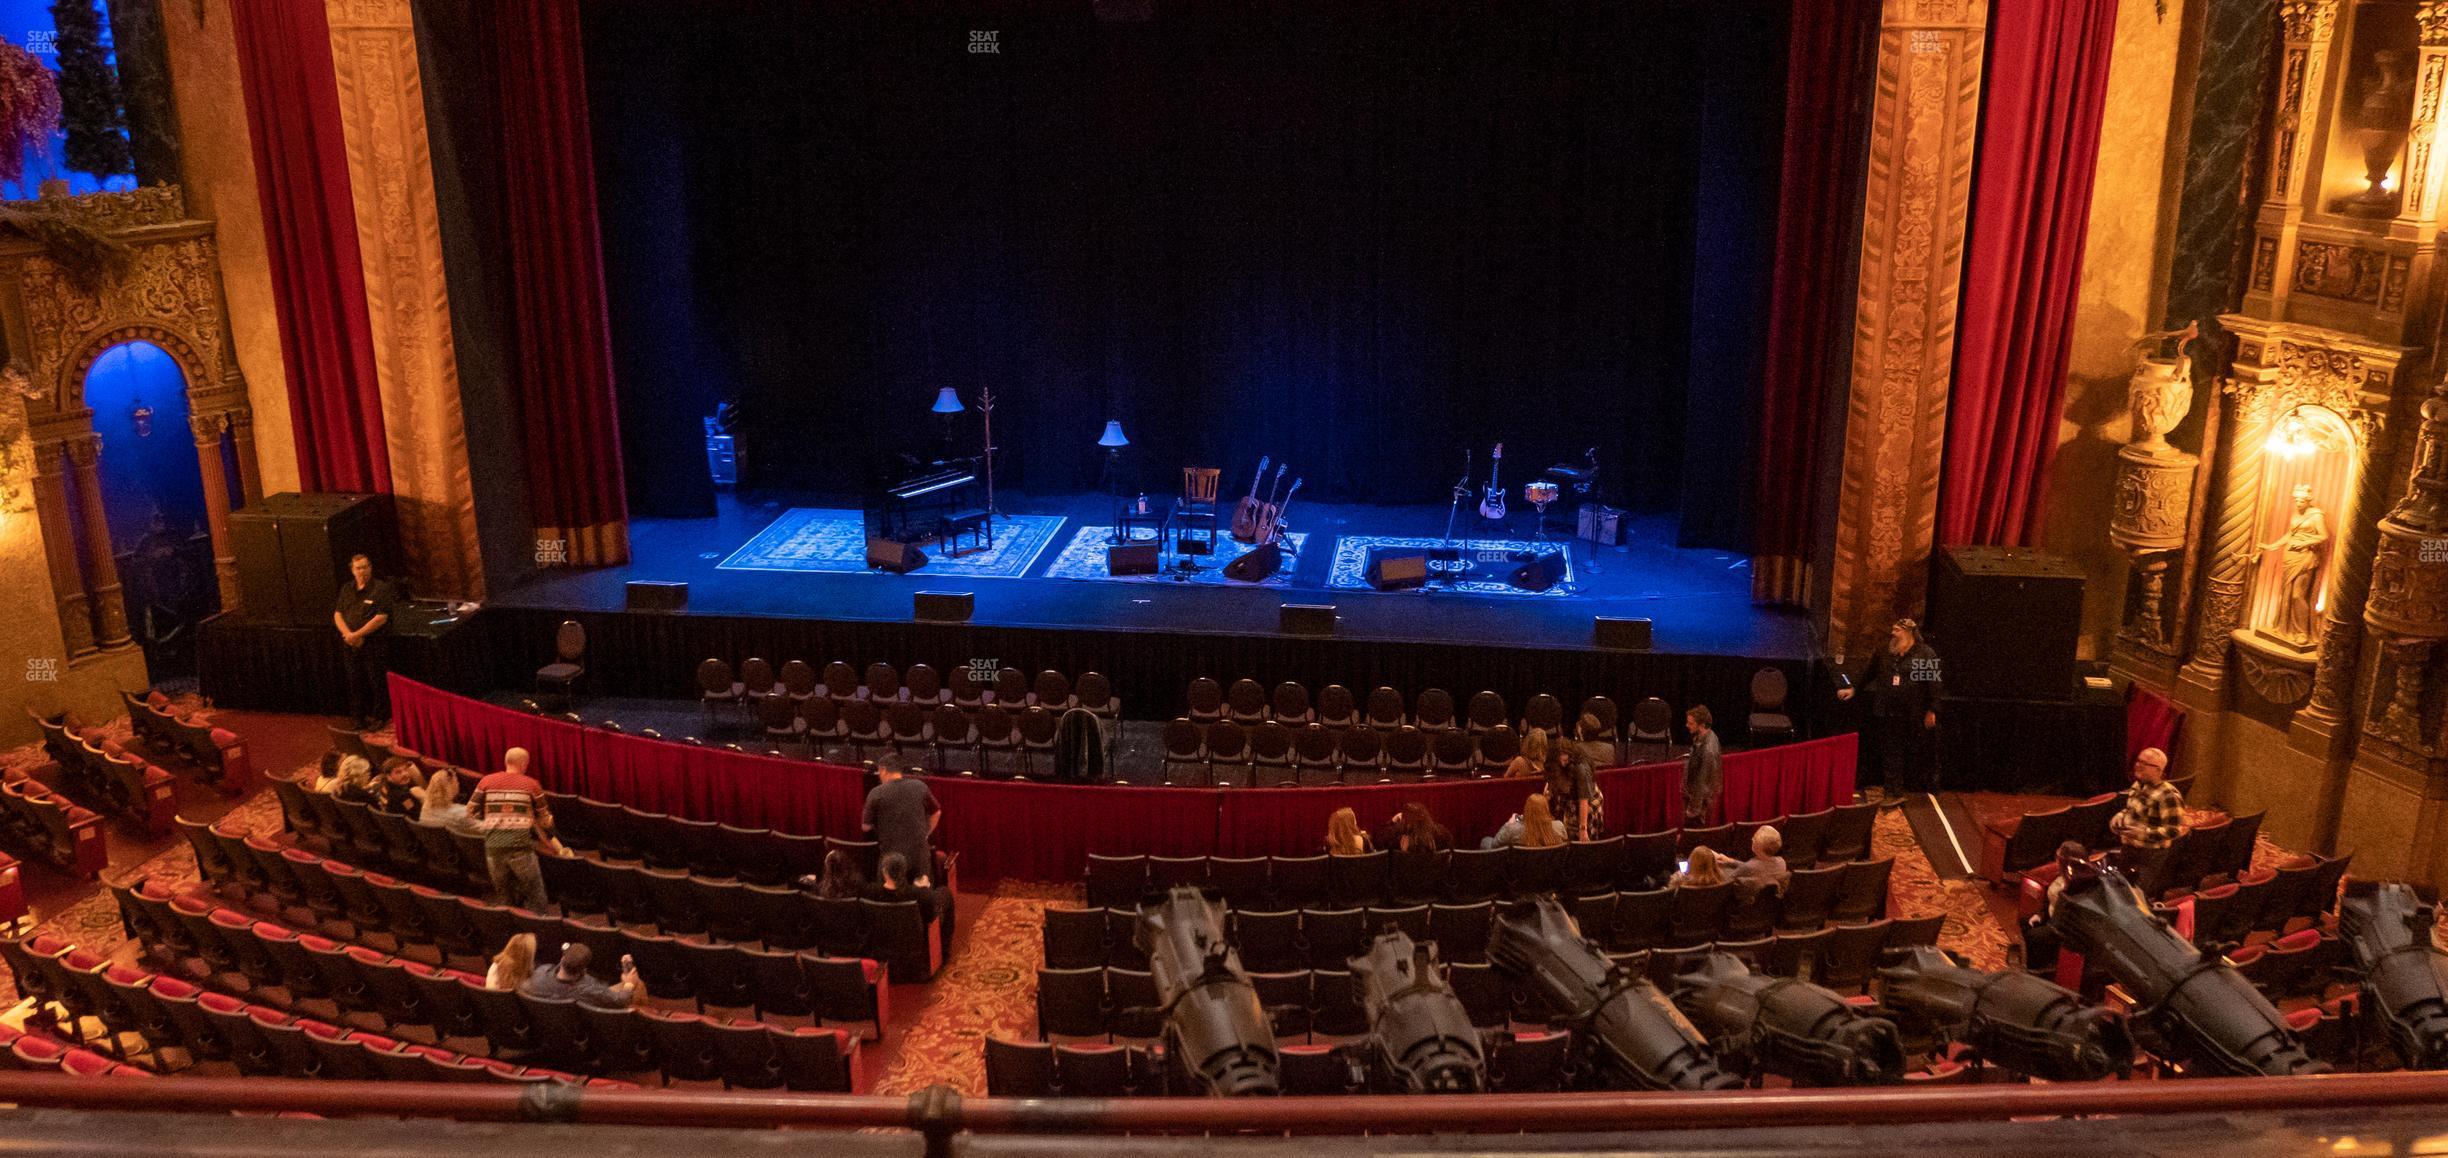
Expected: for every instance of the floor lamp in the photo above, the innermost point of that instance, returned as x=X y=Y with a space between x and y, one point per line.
x=1113 y=440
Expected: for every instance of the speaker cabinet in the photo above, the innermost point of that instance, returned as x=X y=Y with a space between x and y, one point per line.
x=657 y=595
x=1540 y=573
x=294 y=550
x=894 y=555
x=1620 y=634
x=1131 y=559
x=944 y=606
x=1398 y=572
x=2005 y=622
x=1308 y=618
x=1260 y=564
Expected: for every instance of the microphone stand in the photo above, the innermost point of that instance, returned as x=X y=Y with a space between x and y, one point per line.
x=1453 y=510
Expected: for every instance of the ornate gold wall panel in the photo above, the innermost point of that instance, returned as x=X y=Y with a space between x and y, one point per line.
x=1923 y=127
x=382 y=116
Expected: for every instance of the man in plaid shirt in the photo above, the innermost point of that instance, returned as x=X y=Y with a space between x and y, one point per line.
x=2154 y=810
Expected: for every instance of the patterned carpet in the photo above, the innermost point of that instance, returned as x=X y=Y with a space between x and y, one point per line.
x=1490 y=560
x=1973 y=928
x=989 y=988
x=820 y=539
x=1084 y=558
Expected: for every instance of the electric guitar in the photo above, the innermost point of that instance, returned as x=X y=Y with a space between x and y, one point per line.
x=1272 y=528
x=1245 y=513
x=1491 y=506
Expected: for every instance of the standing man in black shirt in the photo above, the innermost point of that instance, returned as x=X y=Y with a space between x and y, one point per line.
x=1903 y=685
x=362 y=614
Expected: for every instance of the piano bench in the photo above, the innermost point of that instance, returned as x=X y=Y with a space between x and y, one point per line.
x=972 y=524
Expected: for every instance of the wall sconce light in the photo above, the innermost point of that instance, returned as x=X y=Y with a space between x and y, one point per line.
x=142 y=416
x=2292 y=438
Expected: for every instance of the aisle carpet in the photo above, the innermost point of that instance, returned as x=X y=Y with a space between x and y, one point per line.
x=990 y=988
x=1973 y=929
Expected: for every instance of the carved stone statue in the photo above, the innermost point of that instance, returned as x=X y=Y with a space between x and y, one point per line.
x=2305 y=541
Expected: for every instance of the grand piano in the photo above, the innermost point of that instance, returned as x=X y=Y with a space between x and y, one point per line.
x=942 y=501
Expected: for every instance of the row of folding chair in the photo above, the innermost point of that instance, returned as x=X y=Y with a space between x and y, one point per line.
x=41 y=1052
x=95 y=769
x=892 y=934
x=2272 y=900
x=2302 y=963
x=1641 y=860
x=218 y=755
x=681 y=904
x=1248 y=702
x=2221 y=847
x=1517 y=1063
x=1620 y=921
x=50 y=827
x=1271 y=754
x=261 y=1040
x=920 y=684
x=455 y=1003
x=1017 y=736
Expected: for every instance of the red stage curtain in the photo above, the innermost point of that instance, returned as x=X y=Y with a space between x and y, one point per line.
x=1045 y=832
x=2151 y=721
x=568 y=415
x=310 y=234
x=1829 y=70
x=2046 y=81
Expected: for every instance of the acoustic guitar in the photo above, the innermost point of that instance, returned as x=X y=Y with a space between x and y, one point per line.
x=1491 y=505
x=1245 y=512
x=1271 y=529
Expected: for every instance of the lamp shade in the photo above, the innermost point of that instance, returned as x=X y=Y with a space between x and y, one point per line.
x=947 y=401
x=1113 y=437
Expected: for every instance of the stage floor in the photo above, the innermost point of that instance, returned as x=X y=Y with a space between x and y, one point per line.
x=1699 y=600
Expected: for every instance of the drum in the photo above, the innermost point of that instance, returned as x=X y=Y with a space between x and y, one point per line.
x=1541 y=493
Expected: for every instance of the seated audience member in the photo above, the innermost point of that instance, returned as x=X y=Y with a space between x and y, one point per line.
x=1532 y=760
x=438 y=801
x=1589 y=740
x=1414 y=830
x=1767 y=864
x=569 y=979
x=2153 y=816
x=1343 y=834
x=1702 y=867
x=397 y=792
x=1532 y=827
x=842 y=880
x=355 y=783
x=1573 y=797
x=327 y=774
x=514 y=964
x=2039 y=936
x=894 y=883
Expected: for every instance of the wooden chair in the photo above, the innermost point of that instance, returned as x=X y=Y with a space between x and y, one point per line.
x=1196 y=511
x=568 y=665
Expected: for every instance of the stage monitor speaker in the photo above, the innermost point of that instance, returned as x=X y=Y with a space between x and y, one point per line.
x=1131 y=559
x=657 y=595
x=294 y=550
x=1398 y=572
x=894 y=555
x=2005 y=622
x=1260 y=564
x=1620 y=634
x=944 y=606
x=1540 y=573
x=1308 y=618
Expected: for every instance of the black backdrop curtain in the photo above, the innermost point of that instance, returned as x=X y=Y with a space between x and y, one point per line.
x=1358 y=235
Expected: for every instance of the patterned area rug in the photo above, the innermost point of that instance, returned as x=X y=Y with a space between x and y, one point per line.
x=1084 y=558
x=1488 y=563
x=989 y=988
x=821 y=539
x=1973 y=929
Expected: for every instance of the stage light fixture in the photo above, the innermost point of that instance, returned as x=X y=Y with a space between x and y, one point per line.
x=1789 y=1027
x=1216 y=1032
x=2405 y=980
x=1633 y=1037
x=947 y=401
x=2029 y=1025
x=1421 y=1040
x=2197 y=1011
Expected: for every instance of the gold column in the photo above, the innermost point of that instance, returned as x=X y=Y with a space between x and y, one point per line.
x=110 y=607
x=208 y=429
x=1923 y=129
x=2230 y=553
x=59 y=547
x=2303 y=73
x=399 y=232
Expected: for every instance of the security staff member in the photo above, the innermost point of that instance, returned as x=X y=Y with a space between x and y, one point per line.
x=362 y=613
x=1903 y=685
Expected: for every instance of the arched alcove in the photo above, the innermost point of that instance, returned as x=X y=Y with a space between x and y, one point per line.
x=153 y=497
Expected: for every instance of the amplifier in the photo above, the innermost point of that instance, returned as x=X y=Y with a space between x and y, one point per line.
x=1398 y=572
x=1308 y=618
x=944 y=606
x=1620 y=634
x=651 y=595
x=1601 y=524
x=1131 y=559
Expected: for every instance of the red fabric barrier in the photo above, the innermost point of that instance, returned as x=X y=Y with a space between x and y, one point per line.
x=2151 y=721
x=1031 y=831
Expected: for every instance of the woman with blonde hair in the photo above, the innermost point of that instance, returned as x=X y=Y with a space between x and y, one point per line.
x=514 y=964
x=1343 y=834
x=355 y=783
x=1535 y=826
x=1703 y=868
x=438 y=801
x=1533 y=758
